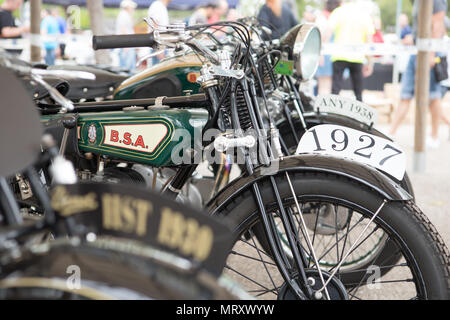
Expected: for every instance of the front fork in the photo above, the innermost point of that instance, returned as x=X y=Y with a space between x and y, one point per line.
x=299 y=288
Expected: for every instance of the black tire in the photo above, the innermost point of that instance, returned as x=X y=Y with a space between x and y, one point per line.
x=409 y=229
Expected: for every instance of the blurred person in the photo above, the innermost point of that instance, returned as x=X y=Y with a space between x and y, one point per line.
x=325 y=70
x=292 y=5
x=378 y=35
x=408 y=79
x=249 y=8
x=232 y=15
x=158 y=12
x=309 y=15
x=351 y=26
x=50 y=31
x=405 y=30
x=8 y=26
x=125 y=25
x=204 y=13
x=62 y=23
x=277 y=17
x=219 y=12
x=25 y=14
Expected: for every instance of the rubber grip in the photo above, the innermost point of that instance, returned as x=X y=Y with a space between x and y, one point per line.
x=122 y=41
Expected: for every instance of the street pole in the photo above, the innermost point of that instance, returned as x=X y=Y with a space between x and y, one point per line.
x=35 y=30
x=95 y=8
x=422 y=88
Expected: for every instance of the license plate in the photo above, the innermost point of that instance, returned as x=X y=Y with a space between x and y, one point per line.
x=356 y=145
x=331 y=103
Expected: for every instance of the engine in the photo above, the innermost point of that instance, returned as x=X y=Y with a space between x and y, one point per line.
x=145 y=176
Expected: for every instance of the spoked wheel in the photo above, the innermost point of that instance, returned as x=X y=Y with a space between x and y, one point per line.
x=329 y=225
x=347 y=245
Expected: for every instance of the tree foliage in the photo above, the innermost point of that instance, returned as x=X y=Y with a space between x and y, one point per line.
x=388 y=10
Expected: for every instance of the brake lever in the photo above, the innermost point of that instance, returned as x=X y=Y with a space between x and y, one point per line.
x=179 y=27
x=197 y=45
x=148 y=56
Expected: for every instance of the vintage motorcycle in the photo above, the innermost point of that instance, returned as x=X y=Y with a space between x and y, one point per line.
x=145 y=172
x=121 y=239
x=276 y=193
x=293 y=112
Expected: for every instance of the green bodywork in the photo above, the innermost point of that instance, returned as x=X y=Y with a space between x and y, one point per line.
x=181 y=126
x=181 y=72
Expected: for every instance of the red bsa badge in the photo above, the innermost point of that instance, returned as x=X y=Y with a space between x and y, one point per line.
x=192 y=77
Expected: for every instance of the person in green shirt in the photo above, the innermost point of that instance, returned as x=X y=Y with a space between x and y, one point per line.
x=351 y=25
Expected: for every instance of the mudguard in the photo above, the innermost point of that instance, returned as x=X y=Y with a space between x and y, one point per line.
x=77 y=270
x=325 y=118
x=314 y=119
x=361 y=173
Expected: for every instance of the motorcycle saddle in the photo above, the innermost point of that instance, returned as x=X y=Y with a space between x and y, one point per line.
x=104 y=84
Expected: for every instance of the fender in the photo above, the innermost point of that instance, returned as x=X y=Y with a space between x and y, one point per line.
x=79 y=270
x=314 y=119
x=361 y=173
x=325 y=118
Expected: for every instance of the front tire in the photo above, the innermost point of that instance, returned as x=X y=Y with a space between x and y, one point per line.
x=422 y=273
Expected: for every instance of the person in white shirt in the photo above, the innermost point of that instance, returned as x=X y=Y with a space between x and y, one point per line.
x=125 y=25
x=158 y=12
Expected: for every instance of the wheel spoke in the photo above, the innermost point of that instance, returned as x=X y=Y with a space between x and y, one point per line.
x=346 y=234
x=314 y=234
x=265 y=266
x=246 y=277
x=324 y=287
x=365 y=273
x=336 y=233
x=340 y=239
x=252 y=258
x=353 y=249
x=251 y=245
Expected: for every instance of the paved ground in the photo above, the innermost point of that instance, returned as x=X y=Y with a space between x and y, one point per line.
x=432 y=187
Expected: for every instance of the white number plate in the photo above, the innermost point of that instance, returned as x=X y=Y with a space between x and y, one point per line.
x=345 y=142
x=354 y=109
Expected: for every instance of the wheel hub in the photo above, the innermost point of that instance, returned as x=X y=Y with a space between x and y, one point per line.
x=335 y=288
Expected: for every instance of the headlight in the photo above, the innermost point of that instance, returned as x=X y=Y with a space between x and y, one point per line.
x=303 y=43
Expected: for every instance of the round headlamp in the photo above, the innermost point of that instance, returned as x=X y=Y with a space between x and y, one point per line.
x=303 y=43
